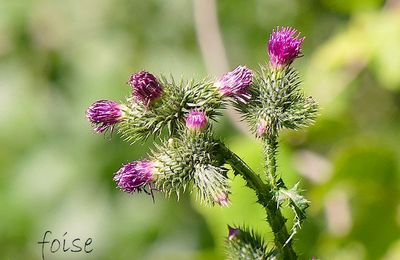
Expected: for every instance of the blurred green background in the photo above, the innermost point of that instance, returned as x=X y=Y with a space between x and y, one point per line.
x=59 y=56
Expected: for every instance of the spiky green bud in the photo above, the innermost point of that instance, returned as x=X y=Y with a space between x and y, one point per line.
x=278 y=103
x=192 y=160
x=245 y=244
x=170 y=109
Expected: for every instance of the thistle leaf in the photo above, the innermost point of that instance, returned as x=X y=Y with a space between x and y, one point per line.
x=297 y=203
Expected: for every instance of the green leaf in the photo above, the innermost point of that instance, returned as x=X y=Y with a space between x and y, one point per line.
x=297 y=203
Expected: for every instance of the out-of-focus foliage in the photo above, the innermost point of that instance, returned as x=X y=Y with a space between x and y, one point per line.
x=57 y=57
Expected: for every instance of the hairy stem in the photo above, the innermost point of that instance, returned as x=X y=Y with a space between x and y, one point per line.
x=266 y=198
x=270 y=150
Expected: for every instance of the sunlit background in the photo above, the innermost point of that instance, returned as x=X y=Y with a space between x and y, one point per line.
x=59 y=56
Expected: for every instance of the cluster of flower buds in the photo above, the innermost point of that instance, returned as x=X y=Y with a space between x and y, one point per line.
x=143 y=115
x=270 y=102
x=173 y=167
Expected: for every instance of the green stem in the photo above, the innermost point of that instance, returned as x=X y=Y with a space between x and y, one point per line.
x=270 y=149
x=266 y=198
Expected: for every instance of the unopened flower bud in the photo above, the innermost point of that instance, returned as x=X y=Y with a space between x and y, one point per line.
x=104 y=114
x=145 y=87
x=135 y=176
x=236 y=83
x=196 y=120
x=284 y=46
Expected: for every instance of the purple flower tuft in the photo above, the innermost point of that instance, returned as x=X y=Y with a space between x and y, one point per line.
x=262 y=128
x=145 y=87
x=196 y=120
x=134 y=176
x=284 y=46
x=223 y=200
x=236 y=83
x=104 y=114
x=232 y=232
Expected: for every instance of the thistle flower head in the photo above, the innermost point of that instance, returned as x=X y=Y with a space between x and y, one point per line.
x=236 y=83
x=284 y=46
x=104 y=114
x=145 y=87
x=196 y=120
x=135 y=176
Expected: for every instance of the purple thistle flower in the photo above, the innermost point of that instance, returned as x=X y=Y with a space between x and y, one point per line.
x=232 y=232
x=134 y=176
x=196 y=120
x=104 y=114
x=284 y=46
x=145 y=87
x=236 y=83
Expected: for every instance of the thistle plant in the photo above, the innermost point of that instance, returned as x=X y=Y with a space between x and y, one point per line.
x=190 y=158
